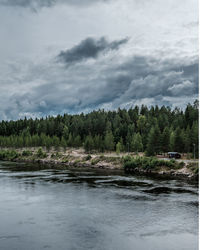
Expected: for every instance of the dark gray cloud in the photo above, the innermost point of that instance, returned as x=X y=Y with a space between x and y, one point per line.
x=89 y=48
x=37 y=4
x=135 y=80
x=158 y=64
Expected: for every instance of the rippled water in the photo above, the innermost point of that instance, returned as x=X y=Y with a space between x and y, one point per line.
x=44 y=208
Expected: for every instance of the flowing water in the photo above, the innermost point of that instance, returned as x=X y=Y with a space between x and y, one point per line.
x=48 y=208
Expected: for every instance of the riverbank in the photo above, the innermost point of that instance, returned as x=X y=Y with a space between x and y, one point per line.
x=131 y=163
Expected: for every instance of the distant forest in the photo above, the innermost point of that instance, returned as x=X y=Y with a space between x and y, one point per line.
x=152 y=130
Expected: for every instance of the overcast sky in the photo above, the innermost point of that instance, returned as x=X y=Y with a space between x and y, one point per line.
x=74 y=56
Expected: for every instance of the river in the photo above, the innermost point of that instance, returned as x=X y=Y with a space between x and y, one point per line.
x=55 y=208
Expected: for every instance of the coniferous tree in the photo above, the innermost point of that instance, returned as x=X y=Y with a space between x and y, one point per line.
x=136 y=144
x=121 y=126
x=109 y=141
x=88 y=144
x=165 y=140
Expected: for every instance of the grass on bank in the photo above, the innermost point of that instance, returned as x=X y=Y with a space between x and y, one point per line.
x=128 y=162
x=150 y=163
x=10 y=155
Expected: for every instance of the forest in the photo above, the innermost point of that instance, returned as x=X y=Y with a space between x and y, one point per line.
x=152 y=130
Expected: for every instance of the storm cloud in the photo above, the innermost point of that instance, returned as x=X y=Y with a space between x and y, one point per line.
x=76 y=56
x=89 y=48
x=120 y=84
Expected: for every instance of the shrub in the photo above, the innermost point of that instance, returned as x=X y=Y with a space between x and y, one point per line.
x=102 y=157
x=40 y=153
x=181 y=164
x=147 y=163
x=27 y=153
x=127 y=158
x=194 y=167
x=95 y=161
x=130 y=164
x=65 y=160
x=88 y=157
x=8 y=155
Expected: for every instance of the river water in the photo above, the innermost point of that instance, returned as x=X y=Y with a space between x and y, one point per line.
x=46 y=208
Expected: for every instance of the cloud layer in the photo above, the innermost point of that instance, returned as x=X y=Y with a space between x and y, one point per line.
x=38 y=4
x=75 y=59
x=110 y=82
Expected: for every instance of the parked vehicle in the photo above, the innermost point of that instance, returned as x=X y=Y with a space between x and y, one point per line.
x=175 y=155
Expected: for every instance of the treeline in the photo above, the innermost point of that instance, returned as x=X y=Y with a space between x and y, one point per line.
x=153 y=130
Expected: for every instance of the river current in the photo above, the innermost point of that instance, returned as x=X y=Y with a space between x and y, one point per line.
x=55 y=208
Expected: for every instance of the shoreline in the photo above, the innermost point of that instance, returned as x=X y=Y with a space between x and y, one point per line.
x=167 y=174
x=78 y=159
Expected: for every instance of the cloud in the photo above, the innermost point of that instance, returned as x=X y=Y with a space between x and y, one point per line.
x=184 y=88
x=108 y=82
x=89 y=48
x=38 y=4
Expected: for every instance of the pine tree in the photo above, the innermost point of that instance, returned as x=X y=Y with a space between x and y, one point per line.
x=63 y=143
x=109 y=141
x=88 y=144
x=154 y=143
x=178 y=140
x=165 y=140
x=136 y=144
x=77 y=141
x=65 y=133
x=118 y=148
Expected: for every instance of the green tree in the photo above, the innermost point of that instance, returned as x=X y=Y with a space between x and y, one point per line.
x=77 y=141
x=178 y=140
x=141 y=123
x=165 y=140
x=88 y=144
x=119 y=148
x=109 y=141
x=65 y=133
x=63 y=143
x=153 y=144
x=136 y=144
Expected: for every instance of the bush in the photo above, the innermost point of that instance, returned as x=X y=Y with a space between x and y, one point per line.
x=194 y=167
x=147 y=163
x=95 y=161
x=88 y=157
x=27 y=153
x=40 y=153
x=127 y=158
x=8 y=155
x=181 y=164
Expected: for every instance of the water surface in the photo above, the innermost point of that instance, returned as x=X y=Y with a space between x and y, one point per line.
x=48 y=208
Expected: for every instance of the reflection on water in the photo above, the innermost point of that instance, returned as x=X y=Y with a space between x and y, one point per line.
x=47 y=208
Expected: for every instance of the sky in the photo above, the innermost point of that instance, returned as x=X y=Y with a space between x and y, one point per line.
x=72 y=56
